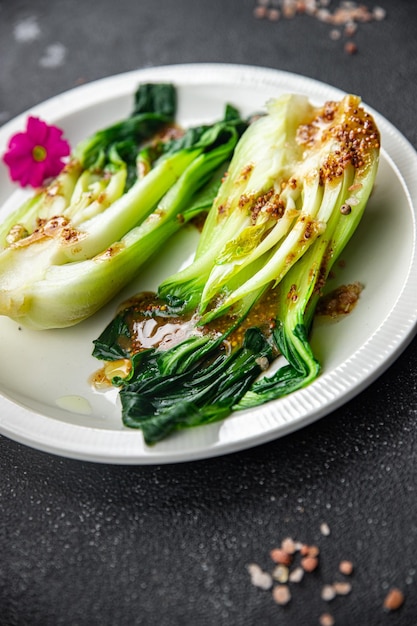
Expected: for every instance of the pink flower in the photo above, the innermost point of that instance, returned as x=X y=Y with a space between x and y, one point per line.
x=36 y=154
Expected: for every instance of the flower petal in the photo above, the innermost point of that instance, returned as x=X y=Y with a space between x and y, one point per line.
x=37 y=174
x=16 y=161
x=37 y=130
x=21 y=172
x=55 y=144
x=21 y=143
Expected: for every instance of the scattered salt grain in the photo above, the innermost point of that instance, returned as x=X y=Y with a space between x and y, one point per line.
x=293 y=561
x=274 y=15
x=324 y=529
x=347 y=15
x=379 y=13
x=312 y=551
x=350 y=29
x=335 y=34
x=278 y=555
x=309 y=563
x=259 y=578
x=342 y=589
x=346 y=567
x=351 y=47
x=260 y=12
x=323 y=15
x=281 y=573
x=288 y=545
x=328 y=593
x=394 y=599
x=281 y=594
x=326 y=620
x=297 y=575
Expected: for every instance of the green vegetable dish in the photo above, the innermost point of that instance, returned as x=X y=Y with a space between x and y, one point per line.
x=282 y=194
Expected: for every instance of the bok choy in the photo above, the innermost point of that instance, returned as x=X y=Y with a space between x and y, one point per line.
x=200 y=348
x=124 y=191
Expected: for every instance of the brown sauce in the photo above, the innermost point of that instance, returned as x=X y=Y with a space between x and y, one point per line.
x=152 y=325
x=339 y=302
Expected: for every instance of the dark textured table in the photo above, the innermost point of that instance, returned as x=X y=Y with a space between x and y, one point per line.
x=95 y=544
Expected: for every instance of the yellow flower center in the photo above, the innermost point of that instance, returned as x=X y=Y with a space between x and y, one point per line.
x=39 y=153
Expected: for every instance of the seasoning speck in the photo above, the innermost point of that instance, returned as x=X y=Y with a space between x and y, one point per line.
x=312 y=551
x=342 y=589
x=394 y=599
x=293 y=562
x=280 y=573
x=326 y=620
x=297 y=575
x=328 y=593
x=309 y=563
x=351 y=47
x=379 y=13
x=260 y=12
x=288 y=545
x=274 y=15
x=281 y=594
x=346 y=567
x=346 y=16
x=259 y=578
x=281 y=556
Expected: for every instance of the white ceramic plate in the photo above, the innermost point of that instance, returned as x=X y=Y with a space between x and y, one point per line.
x=46 y=400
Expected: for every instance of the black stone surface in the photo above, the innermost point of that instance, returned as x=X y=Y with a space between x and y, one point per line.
x=84 y=544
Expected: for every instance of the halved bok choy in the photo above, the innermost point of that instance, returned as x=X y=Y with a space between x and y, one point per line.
x=201 y=347
x=124 y=191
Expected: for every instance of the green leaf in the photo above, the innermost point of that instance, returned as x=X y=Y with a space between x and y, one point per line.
x=157 y=97
x=155 y=106
x=205 y=391
x=108 y=346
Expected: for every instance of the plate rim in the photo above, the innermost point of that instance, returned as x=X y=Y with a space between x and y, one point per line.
x=58 y=437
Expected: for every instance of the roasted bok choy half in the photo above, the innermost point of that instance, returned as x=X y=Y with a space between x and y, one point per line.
x=201 y=347
x=126 y=189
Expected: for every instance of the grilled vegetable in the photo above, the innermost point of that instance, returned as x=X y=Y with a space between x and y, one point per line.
x=72 y=246
x=295 y=192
